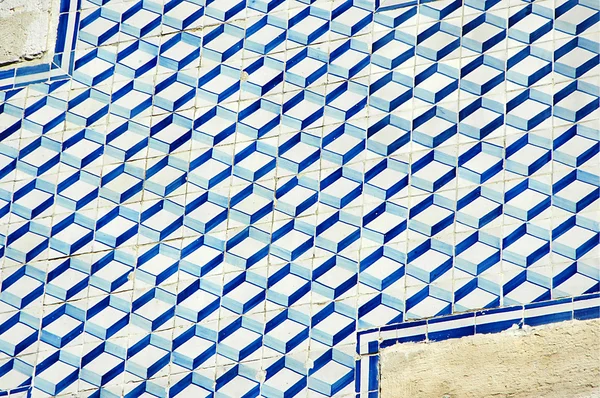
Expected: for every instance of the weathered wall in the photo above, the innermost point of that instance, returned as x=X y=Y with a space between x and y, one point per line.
x=27 y=30
x=555 y=361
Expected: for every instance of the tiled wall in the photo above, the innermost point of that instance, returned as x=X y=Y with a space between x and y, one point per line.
x=250 y=198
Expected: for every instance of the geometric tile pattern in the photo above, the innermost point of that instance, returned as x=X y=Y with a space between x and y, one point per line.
x=222 y=198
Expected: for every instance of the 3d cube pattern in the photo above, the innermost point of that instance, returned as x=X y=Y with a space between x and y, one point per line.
x=244 y=198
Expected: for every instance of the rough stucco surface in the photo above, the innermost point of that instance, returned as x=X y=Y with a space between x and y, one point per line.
x=27 y=30
x=555 y=361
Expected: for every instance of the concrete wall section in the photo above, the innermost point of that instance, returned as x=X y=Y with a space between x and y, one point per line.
x=555 y=361
x=27 y=31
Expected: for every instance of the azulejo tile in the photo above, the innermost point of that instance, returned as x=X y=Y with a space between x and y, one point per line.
x=243 y=199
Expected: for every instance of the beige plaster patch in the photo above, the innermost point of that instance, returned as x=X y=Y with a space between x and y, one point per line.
x=560 y=360
x=27 y=31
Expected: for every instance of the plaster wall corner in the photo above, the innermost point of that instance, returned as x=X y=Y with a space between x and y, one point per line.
x=28 y=30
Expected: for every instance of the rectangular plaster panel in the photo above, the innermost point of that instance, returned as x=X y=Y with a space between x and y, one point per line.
x=560 y=360
x=27 y=30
